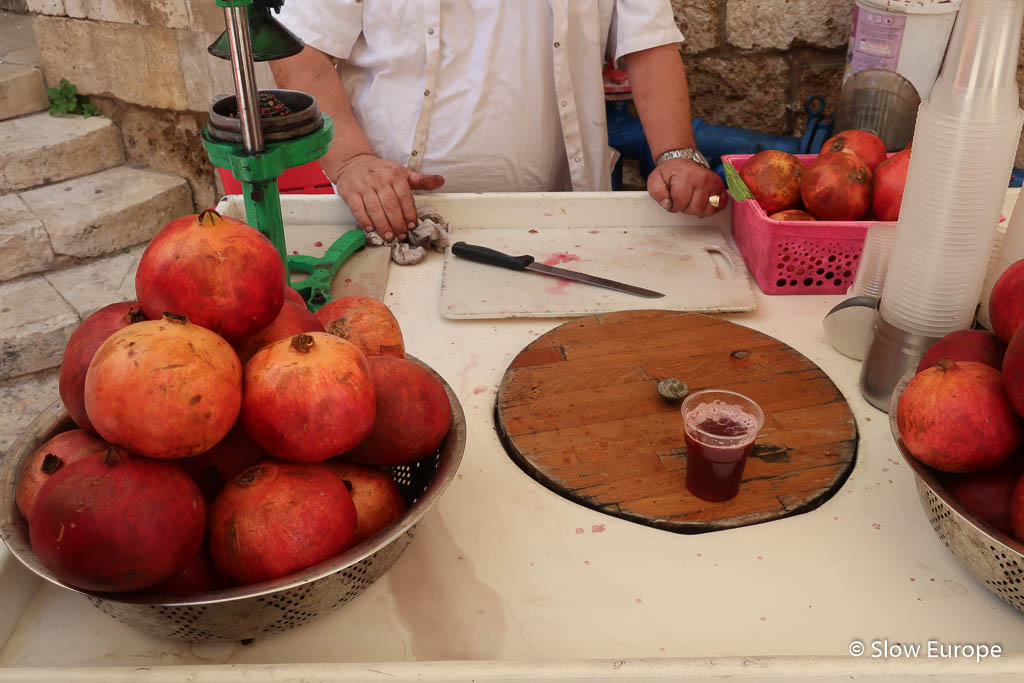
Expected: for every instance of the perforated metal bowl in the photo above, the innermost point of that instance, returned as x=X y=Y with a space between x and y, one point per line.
x=991 y=557
x=256 y=610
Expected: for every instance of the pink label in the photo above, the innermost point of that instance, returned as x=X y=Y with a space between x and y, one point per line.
x=877 y=38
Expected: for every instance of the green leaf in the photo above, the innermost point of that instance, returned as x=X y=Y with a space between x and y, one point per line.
x=737 y=188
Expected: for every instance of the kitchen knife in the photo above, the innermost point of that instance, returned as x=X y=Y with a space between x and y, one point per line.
x=474 y=252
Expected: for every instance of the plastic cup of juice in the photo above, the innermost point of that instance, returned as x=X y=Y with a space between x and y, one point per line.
x=720 y=428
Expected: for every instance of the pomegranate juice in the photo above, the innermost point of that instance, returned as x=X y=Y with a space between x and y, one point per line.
x=716 y=449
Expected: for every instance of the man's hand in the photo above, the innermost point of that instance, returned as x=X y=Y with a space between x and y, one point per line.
x=379 y=194
x=682 y=185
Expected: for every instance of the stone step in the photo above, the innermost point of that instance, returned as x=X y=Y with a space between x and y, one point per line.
x=41 y=149
x=38 y=314
x=95 y=215
x=22 y=90
x=21 y=401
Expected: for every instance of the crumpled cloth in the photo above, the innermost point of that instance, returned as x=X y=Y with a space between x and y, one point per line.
x=431 y=231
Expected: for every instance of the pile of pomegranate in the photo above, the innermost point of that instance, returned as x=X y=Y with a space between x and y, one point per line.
x=226 y=435
x=963 y=412
x=852 y=178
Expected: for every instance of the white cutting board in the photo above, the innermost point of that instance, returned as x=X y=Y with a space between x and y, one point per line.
x=692 y=265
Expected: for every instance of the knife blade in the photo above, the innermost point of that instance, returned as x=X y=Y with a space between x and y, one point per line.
x=492 y=257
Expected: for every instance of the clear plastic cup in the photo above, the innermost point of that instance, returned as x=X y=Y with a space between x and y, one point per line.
x=720 y=428
x=874 y=260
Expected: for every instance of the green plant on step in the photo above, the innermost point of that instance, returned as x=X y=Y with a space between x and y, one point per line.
x=66 y=100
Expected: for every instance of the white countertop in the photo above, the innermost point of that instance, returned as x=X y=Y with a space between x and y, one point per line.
x=506 y=579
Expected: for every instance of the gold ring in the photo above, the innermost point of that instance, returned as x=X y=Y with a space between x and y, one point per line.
x=714 y=200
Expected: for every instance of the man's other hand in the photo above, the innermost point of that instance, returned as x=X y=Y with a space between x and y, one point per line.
x=379 y=194
x=682 y=185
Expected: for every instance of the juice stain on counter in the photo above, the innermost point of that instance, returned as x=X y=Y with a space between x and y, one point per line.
x=448 y=612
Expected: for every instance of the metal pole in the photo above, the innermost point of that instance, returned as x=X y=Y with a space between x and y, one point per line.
x=237 y=21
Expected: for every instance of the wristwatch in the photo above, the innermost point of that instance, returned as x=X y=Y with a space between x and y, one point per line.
x=691 y=153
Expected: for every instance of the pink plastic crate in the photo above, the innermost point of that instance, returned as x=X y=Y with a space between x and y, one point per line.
x=796 y=257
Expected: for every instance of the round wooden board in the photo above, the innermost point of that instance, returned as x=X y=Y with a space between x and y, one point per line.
x=578 y=410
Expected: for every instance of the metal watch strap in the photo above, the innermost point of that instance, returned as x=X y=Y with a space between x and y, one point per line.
x=689 y=153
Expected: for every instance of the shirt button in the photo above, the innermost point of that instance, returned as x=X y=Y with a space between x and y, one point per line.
x=578 y=159
x=430 y=31
x=557 y=44
x=415 y=153
x=565 y=103
x=426 y=93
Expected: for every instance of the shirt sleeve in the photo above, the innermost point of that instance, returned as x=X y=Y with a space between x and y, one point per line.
x=640 y=25
x=331 y=26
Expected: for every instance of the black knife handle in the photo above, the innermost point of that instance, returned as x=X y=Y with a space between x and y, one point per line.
x=474 y=252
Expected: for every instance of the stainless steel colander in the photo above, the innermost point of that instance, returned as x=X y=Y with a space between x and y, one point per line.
x=260 y=609
x=991 y=557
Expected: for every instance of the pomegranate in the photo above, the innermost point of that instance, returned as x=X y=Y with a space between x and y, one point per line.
x=308 y=398
x=293 y=296
x=837 y=187
x=114 y=521
x=164 y=388
x=955 y=417
x=1006 y=302
x=277 y=518
x=36 y=469
x=976 y=345
x=887 y=186
x=413 y=414
x=866 y=146
x=378 y=501
x=197 y=576
x=217 y=271
x=773 y=177
x=987 y=495
x=365 y=322
x=79 y=351
x=1017 y=511
x=791 y=215
x=232 y=455
x=292 y=320
x=1013 y=371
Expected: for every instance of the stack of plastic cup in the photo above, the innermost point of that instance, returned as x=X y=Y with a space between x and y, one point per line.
x=963 y=151
x=874 y=260
x=1009 y=250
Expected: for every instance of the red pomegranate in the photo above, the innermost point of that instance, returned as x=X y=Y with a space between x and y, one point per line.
x=117 y=522
x=837 y=187
x=1013 y=371
x=378 y=501
x=1006 y=302
x=79 y=351
x=217 y=271
x=198 y=576
x=277 y=518
x=413 y=414
x=980 y=346
x=308 y=398
x=232 y=455
x=1017 y=511
x=292 y=320
x=36 y=469
x=888 y=184
x=164 y=388
x=293 y=296
x=987 y=495
x=792 y=215
x=773 y=177
x=365 y=322
x=868 y=147
x=955 y=417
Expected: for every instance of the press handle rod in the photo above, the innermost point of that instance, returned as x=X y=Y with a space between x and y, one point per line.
x=244 y=68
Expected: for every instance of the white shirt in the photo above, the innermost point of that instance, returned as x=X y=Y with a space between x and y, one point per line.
x=495 y=95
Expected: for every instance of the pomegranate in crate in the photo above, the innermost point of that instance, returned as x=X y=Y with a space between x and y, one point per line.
x=837 y=187
x=773 y=177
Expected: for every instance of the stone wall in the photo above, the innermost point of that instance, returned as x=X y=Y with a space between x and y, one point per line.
x=750 y=63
